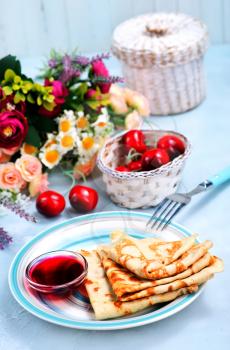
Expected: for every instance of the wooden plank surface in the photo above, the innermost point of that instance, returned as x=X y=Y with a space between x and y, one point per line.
x=32 y=27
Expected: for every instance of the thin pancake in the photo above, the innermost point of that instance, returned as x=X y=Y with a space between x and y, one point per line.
x=196 y=279
x=125 y=283
x=150 y=248
x=103 y=299
x=160 y=260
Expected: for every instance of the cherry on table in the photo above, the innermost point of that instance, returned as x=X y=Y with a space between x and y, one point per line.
x=83 y=198
x=50 y=203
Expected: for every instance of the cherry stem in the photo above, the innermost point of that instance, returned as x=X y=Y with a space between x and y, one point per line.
x=132 y=154
x=68 y=173
x=150 y=124
x=81 y=174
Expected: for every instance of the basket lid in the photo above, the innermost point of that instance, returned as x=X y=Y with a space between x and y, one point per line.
x=160 y=38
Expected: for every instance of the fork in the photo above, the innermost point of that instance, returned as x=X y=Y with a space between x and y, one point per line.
x=172 y=204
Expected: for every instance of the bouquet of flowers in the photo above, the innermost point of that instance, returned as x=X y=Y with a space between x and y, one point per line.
x=62 y=120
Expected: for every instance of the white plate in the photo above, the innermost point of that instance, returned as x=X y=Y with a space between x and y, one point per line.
x=87 y=232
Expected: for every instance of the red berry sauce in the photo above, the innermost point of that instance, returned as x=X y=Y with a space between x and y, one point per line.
x=56 y=270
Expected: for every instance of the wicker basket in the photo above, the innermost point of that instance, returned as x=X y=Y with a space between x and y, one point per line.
x=140 y=189
x=162 y=57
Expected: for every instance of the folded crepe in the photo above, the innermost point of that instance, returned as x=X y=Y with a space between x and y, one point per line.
x=104 y=301
x=128 y=286
x=151 y=247
x=152 y=258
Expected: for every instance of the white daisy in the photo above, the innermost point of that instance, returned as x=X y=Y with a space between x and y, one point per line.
x=50 y=156
x=66 y=122
x=67 y=140
x=87 y=147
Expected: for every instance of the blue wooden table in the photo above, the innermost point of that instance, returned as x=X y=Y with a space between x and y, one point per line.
x=205 y=323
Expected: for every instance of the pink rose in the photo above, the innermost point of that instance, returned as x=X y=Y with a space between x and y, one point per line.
x=6 y=153
x=100 y=70
x=118 y=104
x=10 y=177
x=116 y=90
x=3 y=157
x=13 y=129
x=10 y=151
x=128 y=94
x=38 y=185
x=84 y=169
x=133 y=120
x=137 y=101
x=29 y=166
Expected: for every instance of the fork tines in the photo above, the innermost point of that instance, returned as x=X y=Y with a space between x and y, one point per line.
x=164 y=213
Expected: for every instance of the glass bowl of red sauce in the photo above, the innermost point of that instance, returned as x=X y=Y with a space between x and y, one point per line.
x=57 y=272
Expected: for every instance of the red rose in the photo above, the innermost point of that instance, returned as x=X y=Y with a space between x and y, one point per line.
x=13 y=129
x=7 y=104
x=100 y=70
x=1 y=92
x=50 y=114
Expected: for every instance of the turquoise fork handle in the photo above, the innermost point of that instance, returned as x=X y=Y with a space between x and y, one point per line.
x=220 y=178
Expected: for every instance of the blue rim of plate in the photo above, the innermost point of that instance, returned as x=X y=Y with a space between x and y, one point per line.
x=94 y=325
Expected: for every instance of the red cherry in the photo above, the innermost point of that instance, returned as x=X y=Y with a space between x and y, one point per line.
x=50 y=203
x=122 y=168
x=154 y=158
x=134 y=139
x=135 y=165
x=171 y=142
x=173 y=153
x=83 y=198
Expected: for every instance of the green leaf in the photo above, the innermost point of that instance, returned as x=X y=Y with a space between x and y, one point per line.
x=81 y=90
x=49 y=106
x=25 y=78
x=33 y=137
x=53 y=53
x=93 y=104
x=37 y=87
x=19 y=97
x=46 y=125
x=39 y=101
x=17 y=78
x=30 y=99
x=9 y=75
x=7 y=90
x=16 y=87
x=105 y=102
x=49 y=98
x=9 y=62
x=118 y=121
x=26 y=86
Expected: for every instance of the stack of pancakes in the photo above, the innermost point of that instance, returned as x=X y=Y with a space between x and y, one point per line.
x=131 y=274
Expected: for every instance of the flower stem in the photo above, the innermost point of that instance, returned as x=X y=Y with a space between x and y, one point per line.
x=68 y=173
x=5 y=238
x=16 y=209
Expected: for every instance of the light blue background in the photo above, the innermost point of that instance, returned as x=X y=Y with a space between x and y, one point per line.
x=29 y=28
x=206 y=323
x=32 y=27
